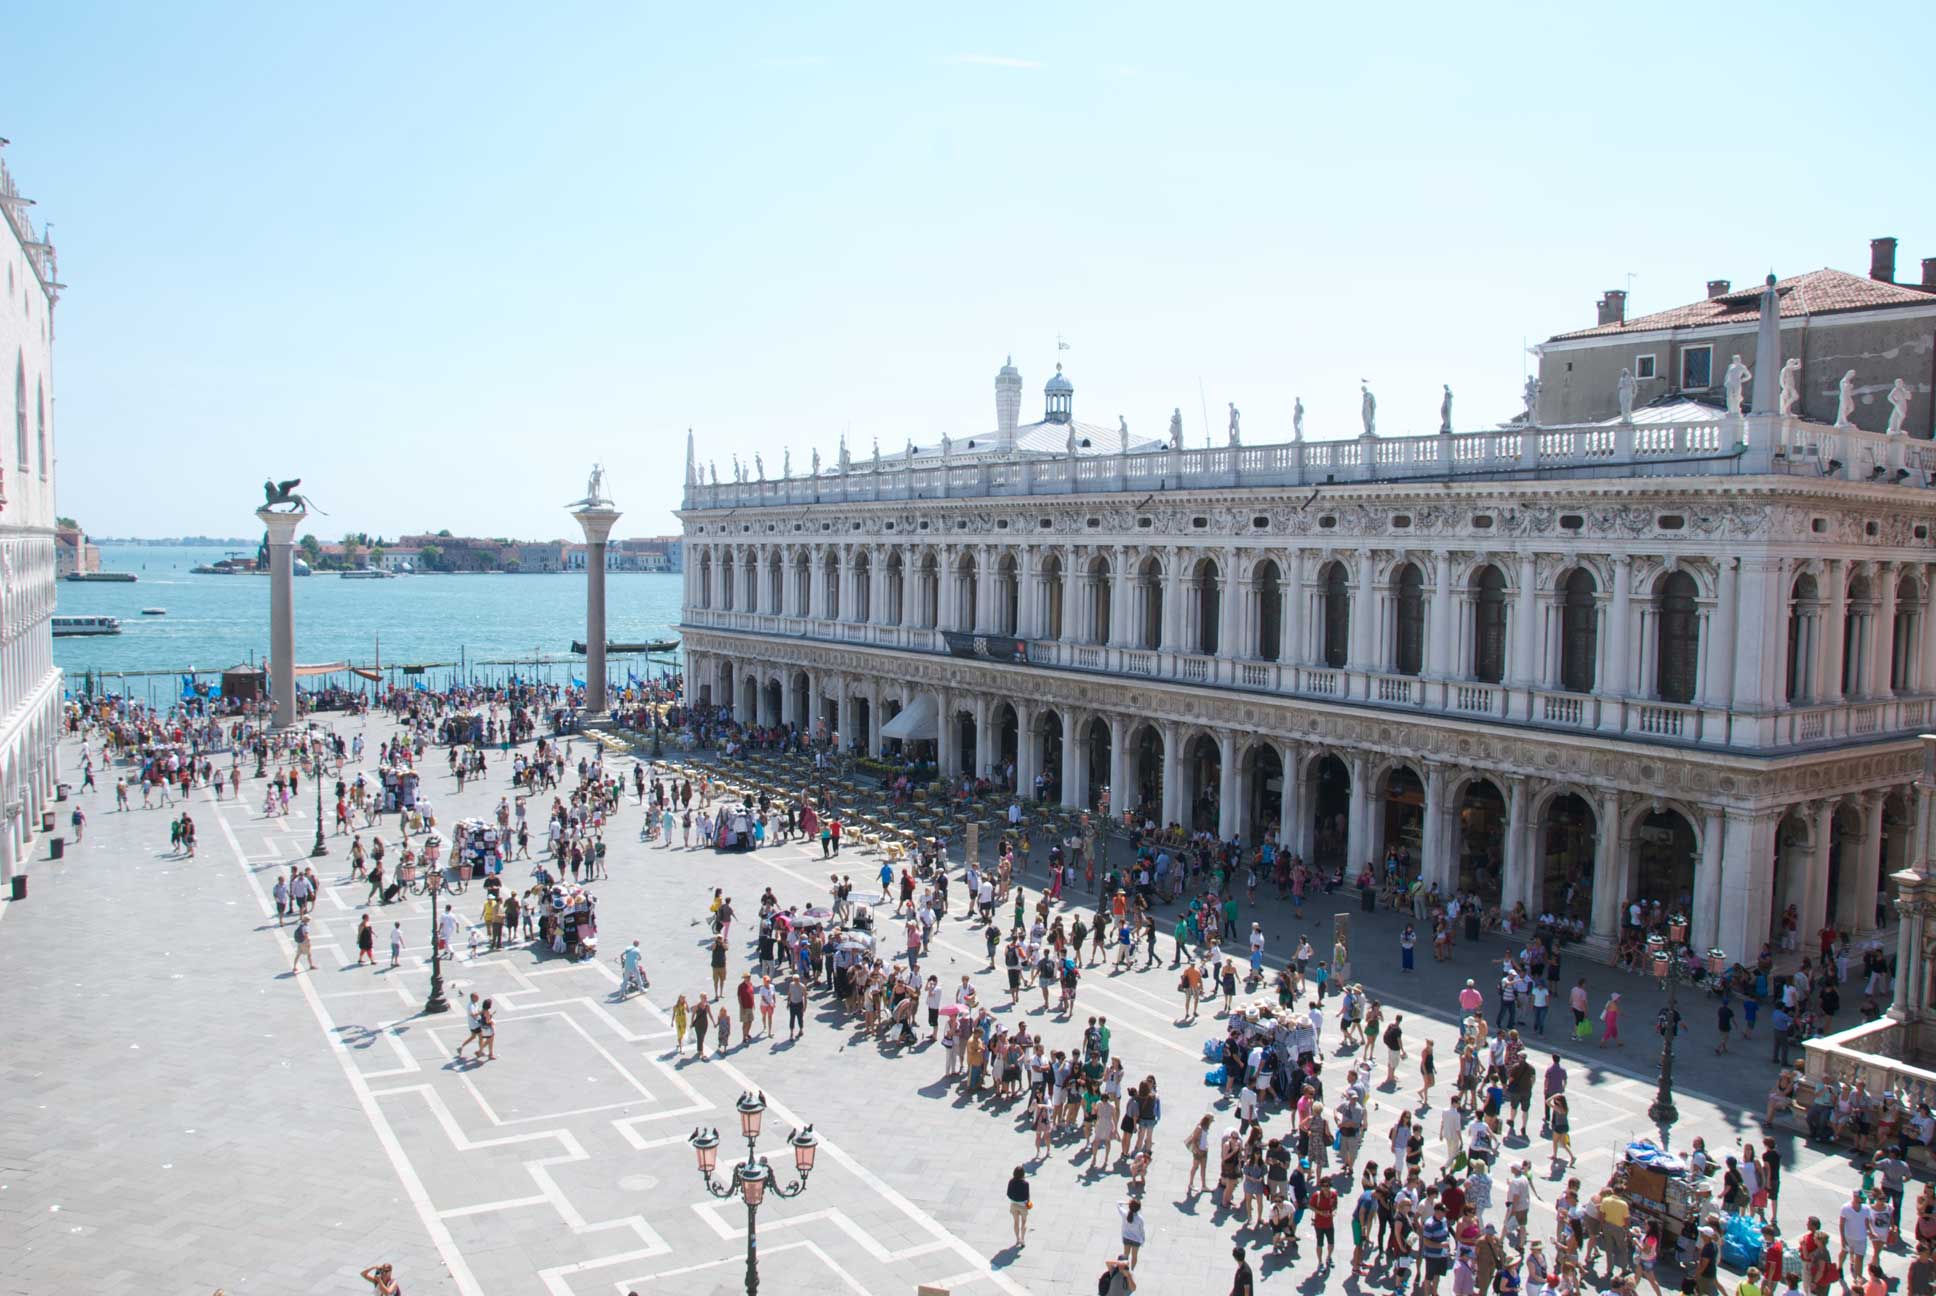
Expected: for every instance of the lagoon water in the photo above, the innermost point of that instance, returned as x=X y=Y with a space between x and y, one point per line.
x=218 y=621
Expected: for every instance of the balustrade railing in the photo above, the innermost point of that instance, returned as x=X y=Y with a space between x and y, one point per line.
x=1725 y=444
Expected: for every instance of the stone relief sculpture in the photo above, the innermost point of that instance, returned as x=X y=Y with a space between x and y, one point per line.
x=1734 y=381
x=1626 y=391
x=1898 y=399
x=1368 y=407
x=1236 y=438
x=1791 y=386
x=1445 y=410
x=1845 y=401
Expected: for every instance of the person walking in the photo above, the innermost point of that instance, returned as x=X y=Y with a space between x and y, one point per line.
x=1135 y=1230
x=487 y=1032
x=681 y=1019
x=365 y=942
x=396 y=944
x=302 y=946
x=719 y=967
x=1610 y=1022
x=1019 y=1204
x=702 y=1023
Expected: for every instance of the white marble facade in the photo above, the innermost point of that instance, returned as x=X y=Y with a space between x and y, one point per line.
x=30 y=684
x=1621 y=674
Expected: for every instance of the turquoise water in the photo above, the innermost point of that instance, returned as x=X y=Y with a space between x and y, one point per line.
x=218 y=621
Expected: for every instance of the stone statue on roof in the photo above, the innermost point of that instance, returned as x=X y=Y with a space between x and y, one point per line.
x=1236 y=436
x=1625 y=390
x=1531 y=397
x=1122 y=434
x=1069 y=442
x=1734 y=381
x=786 y=463
x=1176 y=428
x=845 y=461
x=1445 y=409
x=759 y=466
x=1368 y=407
x=1791 y=385
x=1297 y=420
x=910 y=450
x=1898 y=399
x=713 y=468
x=816 y=461
x=947 y=447
x=1845 y=401
x=877 y=454
x=739 y=473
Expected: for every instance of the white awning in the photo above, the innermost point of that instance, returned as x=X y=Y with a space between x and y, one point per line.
x=915 y=722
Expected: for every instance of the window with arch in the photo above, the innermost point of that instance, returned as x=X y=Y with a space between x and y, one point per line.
x=1270 y=611
x=1903 y=636
x=1335 y=609
x=1677 y=639
x=706 y=580
x=1408 y=621
x=1803 y=612
x=726 y=592
x=1209 y=606
x=1489 y=625
x=1579 y=632
x=20 y=407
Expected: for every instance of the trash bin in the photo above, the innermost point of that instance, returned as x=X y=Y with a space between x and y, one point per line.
x=56 y=847
x=61 y=794
x=1472 y=926
x=20 y=886
x=47 y=821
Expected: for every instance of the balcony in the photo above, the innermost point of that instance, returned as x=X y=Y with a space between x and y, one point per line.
x=1638 y=719
x=1723 y=446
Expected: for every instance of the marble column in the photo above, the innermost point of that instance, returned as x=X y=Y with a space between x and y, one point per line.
x=1620 y=645
x=1440 y=640
x=1290 y=813
x=1075 y=787
x=1719 y=676
x=1291 y=649
x=1882 y=632
x=1026 y=759
x=1358 y=821
x=597 y=519
x=1835 y=595
x=1229 y=817
x=1747 y=882
x=1172 y=775
x=1432 y=846
x=1859 y=912
x=1122 y=793
x=1608 y=867
x=947 y=733
x=1704 y=924
x=282 y=611
x=1814 y=910
x=1523 y=670
x=1520 y=868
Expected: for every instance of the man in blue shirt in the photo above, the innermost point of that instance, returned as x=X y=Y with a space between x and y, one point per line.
x=1435 y=1248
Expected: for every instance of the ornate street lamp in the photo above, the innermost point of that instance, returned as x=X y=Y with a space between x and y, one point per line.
x=316 y=776
x=1664 y=961
x=753 y=1178
x=433 y=882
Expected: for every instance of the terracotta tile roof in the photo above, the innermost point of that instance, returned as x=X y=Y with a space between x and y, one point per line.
x=1819 y=292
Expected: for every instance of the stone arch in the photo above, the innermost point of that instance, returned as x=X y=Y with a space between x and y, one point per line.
x=1144 y=753
x=1577 y=596
x=1566 y=819
x=1664 y=844
x=1398 y=816
x=1262 y=762
x=1326 y=790
x=1479 y=816
x=1267 y=590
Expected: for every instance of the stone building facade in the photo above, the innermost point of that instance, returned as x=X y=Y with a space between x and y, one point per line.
x=1567 y=667
x=1832 y=323
x=30 y=684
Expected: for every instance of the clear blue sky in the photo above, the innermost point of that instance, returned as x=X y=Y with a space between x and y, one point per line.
x=436 y=259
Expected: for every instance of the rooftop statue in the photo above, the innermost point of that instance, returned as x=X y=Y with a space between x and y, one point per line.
x=1445 y=410
x=276 y=493
x=1898 y=399
x=1845 y=401
x=1368 y=408
x=1122 y=434
x=1236 y=437
x=1734 y=381
x=1531 y=397
x=1176 y=428
x=1297 y=420
x=1791 y=386
x=1625 y=391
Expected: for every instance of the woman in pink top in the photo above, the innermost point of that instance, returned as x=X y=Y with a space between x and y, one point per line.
x=1610 y=1020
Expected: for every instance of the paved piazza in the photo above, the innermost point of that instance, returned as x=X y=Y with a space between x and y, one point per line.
x=182 y=1114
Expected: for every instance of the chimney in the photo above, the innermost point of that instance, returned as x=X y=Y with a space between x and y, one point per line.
x=1717 y=288
x=1612 y=308
x=1882 y=260
x=1929 y=273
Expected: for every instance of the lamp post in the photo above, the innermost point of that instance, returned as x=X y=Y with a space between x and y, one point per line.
x=316 y=776
x=1665 y=962
x=433 y=881
x=753 y=1178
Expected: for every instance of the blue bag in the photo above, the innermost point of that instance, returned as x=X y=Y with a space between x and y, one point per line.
x=1214 y=1076
x=1213 y=1050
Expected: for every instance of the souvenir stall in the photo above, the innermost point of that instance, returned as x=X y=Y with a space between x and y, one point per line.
x=399 y=787
x=478 y=848
x=1660 y=1186
x=568 y=922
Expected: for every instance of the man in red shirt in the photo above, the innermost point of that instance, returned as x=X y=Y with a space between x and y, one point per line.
x=1324 y=1211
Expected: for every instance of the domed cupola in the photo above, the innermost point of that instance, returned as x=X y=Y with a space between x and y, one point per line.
x=1060 y=395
